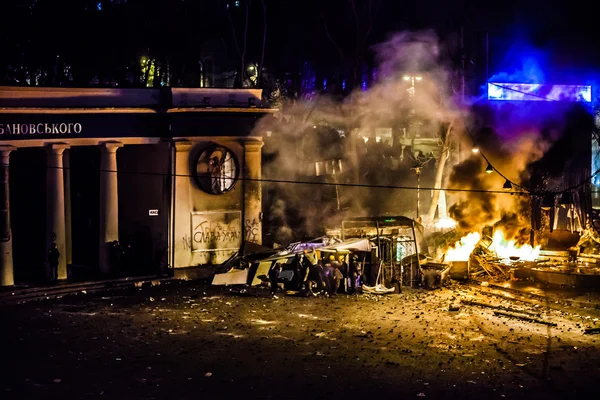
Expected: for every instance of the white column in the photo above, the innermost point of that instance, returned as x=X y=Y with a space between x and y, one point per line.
x=183 y=205
x=55 y=204
x=109 y=202
x=6 y=259
x=68 y=225
x=252 y=191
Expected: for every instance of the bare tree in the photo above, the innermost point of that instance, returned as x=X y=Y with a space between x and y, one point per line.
x=362 y=30
x=363 y=20
x=239 y=80
x=264 y=45
x=439 y=174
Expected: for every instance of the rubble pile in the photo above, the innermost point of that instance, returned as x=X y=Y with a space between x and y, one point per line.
x=485 y=263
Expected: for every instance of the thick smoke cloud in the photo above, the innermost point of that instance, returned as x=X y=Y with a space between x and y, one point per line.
x=305 y=133
x=510 y=157
x=533 y=144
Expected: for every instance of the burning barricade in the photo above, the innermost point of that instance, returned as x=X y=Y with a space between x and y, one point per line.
x=487 y=257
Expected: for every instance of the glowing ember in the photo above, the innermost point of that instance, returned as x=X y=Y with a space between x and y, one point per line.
x=445 y=223
x=463 y=248
x=507 y=248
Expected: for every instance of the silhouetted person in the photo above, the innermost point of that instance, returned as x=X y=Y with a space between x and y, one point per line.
x=296 y=279
x=116 y=256
x=303 y=268
x=161 y=261
x=353 y=272
x=274 y=278
x=129 y=256
x=53 y=256
x=343 y=268
x=315 y=275
x=330 y=276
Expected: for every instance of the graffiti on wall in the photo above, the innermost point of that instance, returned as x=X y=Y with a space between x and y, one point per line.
x=252 y=230
x=215 y=231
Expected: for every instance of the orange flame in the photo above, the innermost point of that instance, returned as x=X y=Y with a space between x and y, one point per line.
x=503 y=248
x=507 y=248
x=463 y=248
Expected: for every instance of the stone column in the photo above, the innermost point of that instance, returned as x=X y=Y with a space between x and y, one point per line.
x=252 y=191
x=109 y=203
x=55 y=204
x=182 y=242
x=6 y=259
x=68 y=225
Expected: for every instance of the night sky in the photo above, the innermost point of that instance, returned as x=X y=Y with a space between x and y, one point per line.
x=106 y=41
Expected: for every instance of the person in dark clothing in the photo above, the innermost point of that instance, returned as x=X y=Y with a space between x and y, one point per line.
x=343 y=268
x=53 y=257
x=331 y=276
x=315 y=275
x=162 y=263
x=304 y=266
x=129 y=255
x=353 y=272
x=116 y=256
x=274 y=278
x=295 y=267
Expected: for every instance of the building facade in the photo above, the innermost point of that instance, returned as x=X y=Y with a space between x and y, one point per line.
x=173 y=171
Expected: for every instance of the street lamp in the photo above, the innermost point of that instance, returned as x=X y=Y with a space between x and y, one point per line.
x=412 y=79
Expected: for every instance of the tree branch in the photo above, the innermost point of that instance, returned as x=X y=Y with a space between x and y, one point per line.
x=372 y=17
x=333 y=41
x=357 y=52
x=237 y=47
x=243 y=67
x=264 y=44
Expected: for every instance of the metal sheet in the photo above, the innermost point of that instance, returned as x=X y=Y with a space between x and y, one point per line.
x=233 y=277
x=351 y=245
x=261 y=271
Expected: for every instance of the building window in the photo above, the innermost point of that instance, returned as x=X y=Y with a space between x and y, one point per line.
x=216 y=170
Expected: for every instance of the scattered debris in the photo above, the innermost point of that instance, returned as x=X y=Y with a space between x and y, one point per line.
x=591 y=331
x=495 y=307
x=524 y=318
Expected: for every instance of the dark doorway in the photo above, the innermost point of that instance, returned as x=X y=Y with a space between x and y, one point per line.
x=28 y=213
x=85 y=200
x=143 y=186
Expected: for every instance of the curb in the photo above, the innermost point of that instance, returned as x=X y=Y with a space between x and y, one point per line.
x=21 y=296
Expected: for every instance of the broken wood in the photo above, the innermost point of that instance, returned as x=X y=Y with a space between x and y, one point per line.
x=476 y=303
x=591 y=331
x=524 y=318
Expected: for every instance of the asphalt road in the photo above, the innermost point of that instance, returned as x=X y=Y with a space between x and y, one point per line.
x=185 y=341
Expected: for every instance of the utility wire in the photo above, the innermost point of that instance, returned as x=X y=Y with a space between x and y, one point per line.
x=488 y=161
x=361 y=185
x=583 y=182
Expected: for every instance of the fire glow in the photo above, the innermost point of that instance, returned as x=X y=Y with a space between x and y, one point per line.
x=463 y=248
x=504 y=249
x=508 y=248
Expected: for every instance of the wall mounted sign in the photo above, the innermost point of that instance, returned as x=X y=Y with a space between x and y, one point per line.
x=539 y=92
x=63 y=128
x=153 y=213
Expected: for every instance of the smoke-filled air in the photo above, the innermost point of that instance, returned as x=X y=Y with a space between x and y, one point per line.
x=394 y=135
